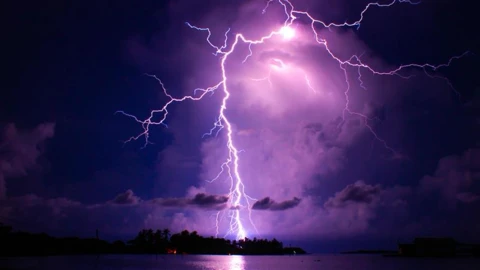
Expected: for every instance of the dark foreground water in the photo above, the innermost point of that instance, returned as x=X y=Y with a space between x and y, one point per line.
x=210 y=262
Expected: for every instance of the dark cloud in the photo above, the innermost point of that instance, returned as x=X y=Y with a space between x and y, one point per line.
x=201 y=200
x=204 y=200
x=127 y=197
x=467 y=197
x=358 y=192
x=170 y=202
x=19 y=151
x=269 y=204
x=125 y=214
x=456 y=178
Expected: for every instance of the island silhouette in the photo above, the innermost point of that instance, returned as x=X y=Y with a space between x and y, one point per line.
x=147 y=241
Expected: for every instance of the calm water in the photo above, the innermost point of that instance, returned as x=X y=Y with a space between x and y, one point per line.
x=197 y=262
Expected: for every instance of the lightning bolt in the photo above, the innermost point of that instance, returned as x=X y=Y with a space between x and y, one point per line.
x=238 y=198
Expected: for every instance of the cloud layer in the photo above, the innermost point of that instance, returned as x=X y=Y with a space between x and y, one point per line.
x=356 y=209
x=19 y=151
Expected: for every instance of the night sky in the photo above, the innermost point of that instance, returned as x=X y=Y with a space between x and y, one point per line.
x=319 y=180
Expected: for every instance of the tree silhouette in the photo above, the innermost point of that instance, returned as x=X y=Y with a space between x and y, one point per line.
x=166 y=234
x=147 y=241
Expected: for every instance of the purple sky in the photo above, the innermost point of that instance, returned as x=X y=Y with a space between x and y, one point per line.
x=314 y=171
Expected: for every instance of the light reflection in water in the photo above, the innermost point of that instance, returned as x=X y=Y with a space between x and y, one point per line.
x=236 y=263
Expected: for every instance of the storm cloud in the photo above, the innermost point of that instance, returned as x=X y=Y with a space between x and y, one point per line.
x=456 y=178
x=325 y=150
x=269 y=204
x=19 y=151
x=126 y=213
x=128 y=198
x=200 y=200
x=358 y=192
x=308 y=128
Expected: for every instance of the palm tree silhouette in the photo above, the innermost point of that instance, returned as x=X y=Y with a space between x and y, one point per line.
x=166 y=234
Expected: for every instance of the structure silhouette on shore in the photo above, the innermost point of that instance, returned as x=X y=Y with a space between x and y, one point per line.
x=428 y=247
x=15 y=243
x=437 y=247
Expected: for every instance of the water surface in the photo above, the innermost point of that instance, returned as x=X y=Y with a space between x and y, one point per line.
x=211 y=262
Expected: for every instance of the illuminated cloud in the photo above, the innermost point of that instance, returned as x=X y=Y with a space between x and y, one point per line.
x=287 y=32
x=305 y=126
x=287 y=109
x=289 y=117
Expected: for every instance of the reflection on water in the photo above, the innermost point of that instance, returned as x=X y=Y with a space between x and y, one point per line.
x=207 y=262
x=237 y=262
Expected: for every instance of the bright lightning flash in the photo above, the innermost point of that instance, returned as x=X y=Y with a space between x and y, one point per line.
x=238 y=198
x=287 y=32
